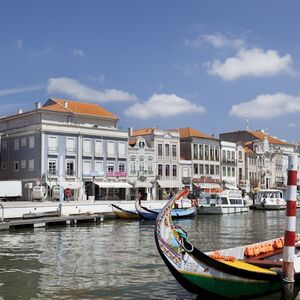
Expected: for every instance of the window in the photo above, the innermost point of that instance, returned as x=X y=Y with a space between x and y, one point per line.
x=23 y=164
x=167 y=170
x=195 y=168
x=224 y=171
x=223 y=155
x=195 y=151
x=159 y=150
x=212 y=153
x=86 y=167
x=23 y=142
x=217 y=154
x=70 y=168
x=53 y=143
x=201 y=169
x=150 y=164
x=206 y=153
x=142 y=164
x=31 y=142
x=87 y=147
x=70 y=144
x=174 y=171
x=160 y=169
x=111 y=148
x=207 y=169
x=233 y=156
x=98 y=147
x=122 y=149
x=4 y=145
x=16 y=144
x=52 y=167
x=167 y=150
x=217 y=170
x=99 y=167
x=4 y=166
x=212 y=169
x=31 y=164
x=122 y=167
x=201 y=152
x=228 y=156
x=174 y=151
x=16 y=166
x=110 y=167
x=240 y=173
x=228 y=171
x=233 y=172
x=132 y=165
x=240 y=155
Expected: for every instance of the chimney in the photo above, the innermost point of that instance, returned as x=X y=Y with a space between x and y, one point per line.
x=20 y=111
x=66 y=104
x=130 y=130
x=37 y=105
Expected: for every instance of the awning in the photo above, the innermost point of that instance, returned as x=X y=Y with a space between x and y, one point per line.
x=71 y=185
x=207 y=185
x=170 y=183
x=142 y=184
x=113 y=184
x=66 y=184
x=230 y=186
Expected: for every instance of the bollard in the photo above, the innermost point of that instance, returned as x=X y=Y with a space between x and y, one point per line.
x=290 y=229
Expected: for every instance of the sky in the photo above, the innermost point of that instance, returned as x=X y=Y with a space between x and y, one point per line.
x=215 y=66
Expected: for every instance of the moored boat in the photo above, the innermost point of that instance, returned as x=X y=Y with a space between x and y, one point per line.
x=151 y=214
x=222 y=202
x=237 y=273
x=123 y=213
x=270 y=199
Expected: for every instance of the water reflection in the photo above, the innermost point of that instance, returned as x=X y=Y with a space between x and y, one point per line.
x=116 y=259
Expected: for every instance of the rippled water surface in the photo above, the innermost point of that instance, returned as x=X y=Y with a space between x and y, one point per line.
x=116 y=259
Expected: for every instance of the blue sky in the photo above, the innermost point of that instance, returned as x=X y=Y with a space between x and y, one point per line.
x=210 y=65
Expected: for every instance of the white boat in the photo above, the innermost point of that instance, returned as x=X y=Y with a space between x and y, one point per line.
x=223 y=202
x=269 y=199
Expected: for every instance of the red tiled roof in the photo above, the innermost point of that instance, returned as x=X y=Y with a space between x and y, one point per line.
x=261 y=135
x=141 y=132
x=80 y=108
x=190 y=132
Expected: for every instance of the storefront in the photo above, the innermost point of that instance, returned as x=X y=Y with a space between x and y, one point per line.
x=167 y=188
x=111 y=190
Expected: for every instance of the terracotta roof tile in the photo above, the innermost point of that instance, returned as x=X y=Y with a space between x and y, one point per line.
x=141 y=132
x=190 y=132
x=80 y=108
x=261 y=135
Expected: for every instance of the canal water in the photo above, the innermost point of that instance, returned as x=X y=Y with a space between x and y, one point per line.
x=116 y=259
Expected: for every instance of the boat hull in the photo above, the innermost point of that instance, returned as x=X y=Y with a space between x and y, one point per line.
x=124 y=214
x=219 y=210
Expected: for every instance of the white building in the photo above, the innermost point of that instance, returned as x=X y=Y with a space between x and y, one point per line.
x=228 y=164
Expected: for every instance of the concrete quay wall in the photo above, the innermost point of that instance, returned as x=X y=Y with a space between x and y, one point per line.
x=17 y=209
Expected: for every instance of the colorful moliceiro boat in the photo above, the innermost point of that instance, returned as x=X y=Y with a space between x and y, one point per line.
x=150 y=214
x=269 y=200
x=224 y=202
x=237 y=273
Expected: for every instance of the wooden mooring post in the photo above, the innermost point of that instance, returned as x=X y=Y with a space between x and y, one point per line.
x=290 y=230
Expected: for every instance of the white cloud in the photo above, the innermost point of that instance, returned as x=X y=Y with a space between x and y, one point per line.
x=217 y=40
x=78 y=53
x=73 y=88
x=18 y=43
x=163 y=105
x=19 y=90
x=267 y=106
x=43 y=52
x=252 y=62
